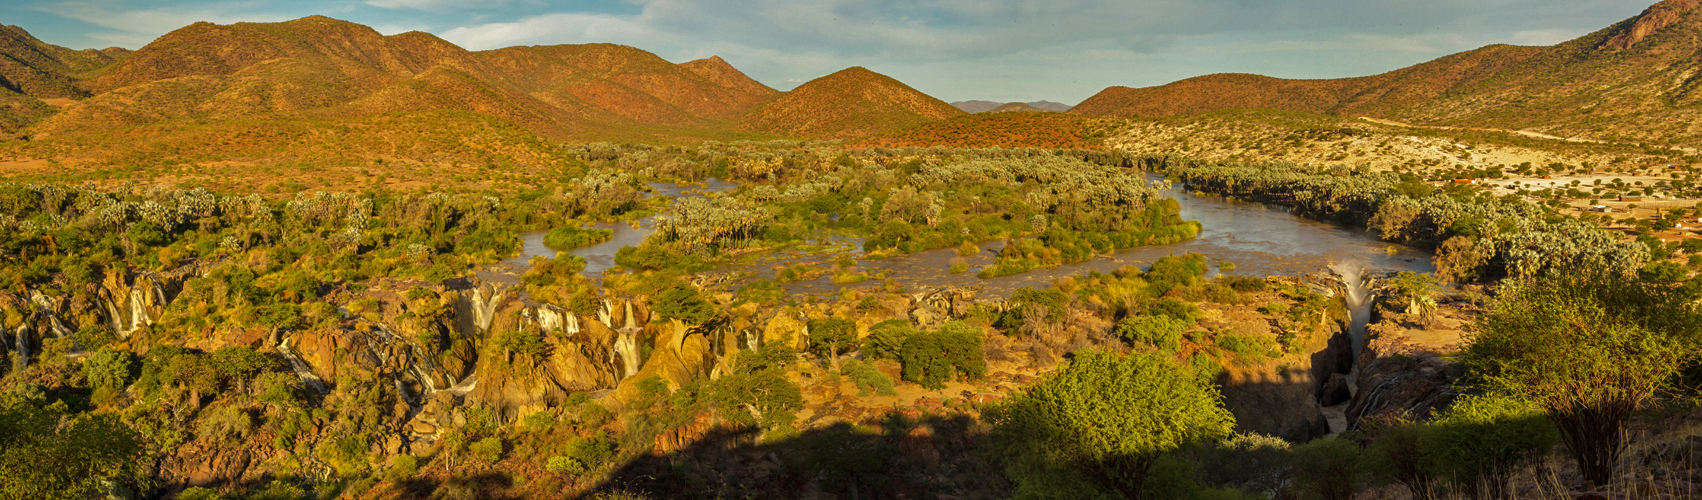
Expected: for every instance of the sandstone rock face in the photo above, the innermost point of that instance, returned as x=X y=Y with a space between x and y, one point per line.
x=1652 y=19
x=1396 y=376
x=1335 y=391
x=786 y=329
x=1281 y=397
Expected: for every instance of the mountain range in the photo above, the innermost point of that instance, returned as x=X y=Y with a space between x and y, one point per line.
x=1637 y=80
x=322 y=90
x=986 y=106
x=252 y=90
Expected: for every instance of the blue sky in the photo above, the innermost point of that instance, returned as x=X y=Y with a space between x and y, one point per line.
x=999 y=50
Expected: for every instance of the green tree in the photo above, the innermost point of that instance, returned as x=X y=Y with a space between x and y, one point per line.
x=109 y=368
x=1590 y=350
x=1398 y=452
x=932 y=358
x=92 y=337
x=682 y=302
x=1419 y=290
x=886 y=339
x=1484 y=441
x=239 y=364
x=758 y=392
x=1106 y=418
x=48 y=453
x=1161 y=331
x=831 y=337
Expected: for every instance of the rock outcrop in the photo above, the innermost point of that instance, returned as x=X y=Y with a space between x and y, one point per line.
x=1652 y=19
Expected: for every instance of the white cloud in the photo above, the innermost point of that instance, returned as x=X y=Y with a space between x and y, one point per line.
x=556 y=29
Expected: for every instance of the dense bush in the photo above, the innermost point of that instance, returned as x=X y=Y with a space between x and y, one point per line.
x=568 y=238
x=683 y=302
x=1163 y=331
x=932 y=358
x=758 y=393
x=1104 y=420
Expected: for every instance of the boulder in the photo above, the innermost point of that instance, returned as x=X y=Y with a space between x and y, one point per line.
x=786 y=329
x=1335 y=391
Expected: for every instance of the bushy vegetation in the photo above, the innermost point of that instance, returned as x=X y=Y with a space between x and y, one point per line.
x=952 y=352
x=1104 y=420
x=568 y=238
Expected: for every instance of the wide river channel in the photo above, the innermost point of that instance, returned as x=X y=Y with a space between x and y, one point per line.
x=1260 y=239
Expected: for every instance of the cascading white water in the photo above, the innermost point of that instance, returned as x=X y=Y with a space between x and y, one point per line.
x=1358 y=301
x=21 y=348
x=306 y=375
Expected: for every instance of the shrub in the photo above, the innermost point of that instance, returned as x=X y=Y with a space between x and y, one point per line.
x=1248 y=348
x=540 y=420
x=1328 y=468
x=1178 y=309
x=1590 y=350
x=832 y=336
x=868 y=378
x=1252 y=461
x=1398 y=452
x=568 y=238
x=930 y=359
x=487 y=450
x=225 y=423
x=559 y=464
x=1106 y=418
x=886 y=339
x=95 y=336
x=278 y=388
x=109 y=368
x=404 y=466
x=593 y=415
x=581 y=454
x=1484 y=441
x=758 y=392
x=1163 y=332
x=199 y=493
x=684 y=303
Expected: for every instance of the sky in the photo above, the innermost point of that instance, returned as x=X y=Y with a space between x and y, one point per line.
x=996 y=50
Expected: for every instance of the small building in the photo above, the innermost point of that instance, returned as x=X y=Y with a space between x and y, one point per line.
x=1601 y=208
x=1464 y=181
x=1631 y=198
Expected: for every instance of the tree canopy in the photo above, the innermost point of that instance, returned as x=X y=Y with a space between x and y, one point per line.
x=1107 y=417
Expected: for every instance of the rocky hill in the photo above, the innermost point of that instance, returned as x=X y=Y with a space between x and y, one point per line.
x=1017 y=107
x=985 y=106
x=331 y=92
x=975 y=106
x=854 y=102
x=32 y=70
x=1632 y=80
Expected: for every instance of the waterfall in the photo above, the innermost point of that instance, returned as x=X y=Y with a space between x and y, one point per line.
x=300 y=367
x=626 y=346
x=603 y=311
x=21 y=358
x=1358 y=300
x=630 y=325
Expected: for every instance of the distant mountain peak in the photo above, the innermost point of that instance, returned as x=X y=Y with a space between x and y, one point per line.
x=719 y=71
x=852 y=102
x=1653 y=19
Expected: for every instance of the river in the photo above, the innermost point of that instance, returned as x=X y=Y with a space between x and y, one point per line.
x=1259 y=238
